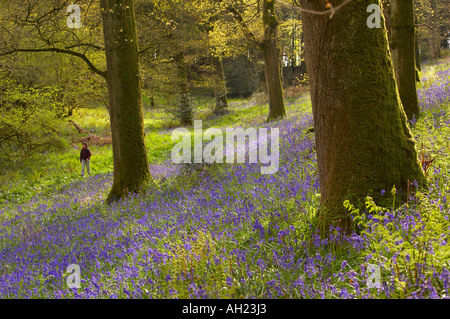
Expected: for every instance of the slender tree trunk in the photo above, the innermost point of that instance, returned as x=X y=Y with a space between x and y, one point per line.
x=363 y=142
x=131 y=171
x=417 y=50
x=402 y=44
x=152 y=101
x=435 y=41
x=220 y=90
x=271 y=53
x=185 y=113
x=293 y=53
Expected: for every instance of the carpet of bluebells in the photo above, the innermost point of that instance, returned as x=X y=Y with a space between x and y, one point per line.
x=226 y=231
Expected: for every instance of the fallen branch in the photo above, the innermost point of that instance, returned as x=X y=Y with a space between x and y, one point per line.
x=79 y=129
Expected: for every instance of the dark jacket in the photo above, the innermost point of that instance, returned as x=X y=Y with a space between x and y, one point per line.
x=85 y=154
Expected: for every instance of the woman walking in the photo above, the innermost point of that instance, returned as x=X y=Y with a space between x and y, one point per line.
x=85 y=156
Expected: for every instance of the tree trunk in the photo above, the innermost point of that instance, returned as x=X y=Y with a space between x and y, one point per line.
x=435 y=42
x=131 y=171
x=152 y=102
x=271 y=53
x=402 y=44
x=418 y=65
x=185 y=113
x=363 y=142
x=220 y=90
x=417 y=50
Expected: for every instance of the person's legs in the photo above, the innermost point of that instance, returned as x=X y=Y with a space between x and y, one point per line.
x=83 y=163
x=88 y=167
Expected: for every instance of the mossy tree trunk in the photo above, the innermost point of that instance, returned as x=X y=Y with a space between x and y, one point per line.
x=220 y=90
x=185 y=113
x=402 y=45
x=363 y=142
x=131 y=171
x=271 y=53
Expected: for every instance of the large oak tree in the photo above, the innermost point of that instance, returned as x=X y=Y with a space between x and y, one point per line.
x=131 y=171
x=363 y=142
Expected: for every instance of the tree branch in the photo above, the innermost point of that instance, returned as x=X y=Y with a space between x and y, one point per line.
x=332 y=11
x=79 y=129
x=55 y=9
x=424 y=25
x=147 y=48
x=90 y=45
x=66 y=51
x=248 y=34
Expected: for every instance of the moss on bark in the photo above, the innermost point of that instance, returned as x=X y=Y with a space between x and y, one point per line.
x=402 y=44
x=131 y=171
x=363 y=142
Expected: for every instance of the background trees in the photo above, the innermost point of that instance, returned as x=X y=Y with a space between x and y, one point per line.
x=47 y=84
x=185 y=50
x=263 y=34
x=27 y=121
x=416 y=30
x=40 y=27
x=432 y=25
x=177 y=50
x=40 y=50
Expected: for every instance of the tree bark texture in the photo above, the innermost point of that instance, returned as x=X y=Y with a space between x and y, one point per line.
x=131 y=170
x=271 y=52
x=363 y=142
x=402 y=44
